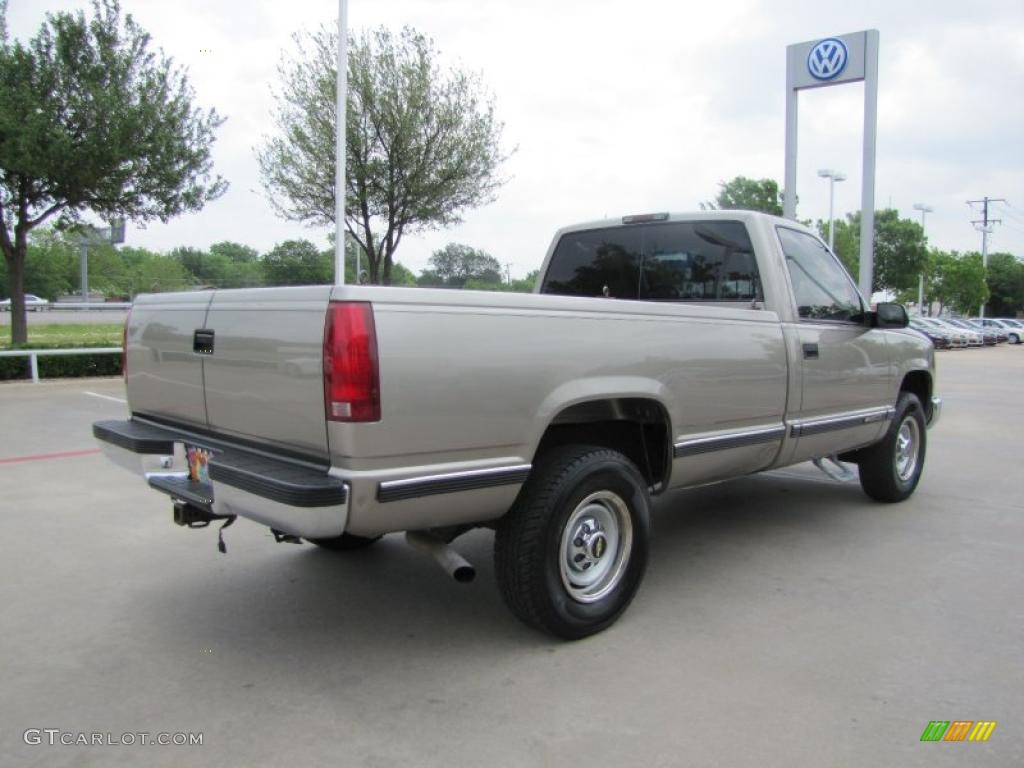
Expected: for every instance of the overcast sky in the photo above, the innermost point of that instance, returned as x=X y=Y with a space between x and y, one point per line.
x=632 y=107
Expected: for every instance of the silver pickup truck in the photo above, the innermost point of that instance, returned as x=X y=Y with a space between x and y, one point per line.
x=657 y=352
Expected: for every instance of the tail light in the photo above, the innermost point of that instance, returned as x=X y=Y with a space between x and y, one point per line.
x=124 y=345
x=351 y=376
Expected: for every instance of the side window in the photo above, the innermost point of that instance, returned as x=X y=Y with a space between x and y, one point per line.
x=698 y=261
x=596 y=262
x=821 y=286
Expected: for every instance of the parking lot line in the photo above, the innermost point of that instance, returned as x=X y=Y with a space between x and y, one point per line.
x=45 y=456
x=105 y=397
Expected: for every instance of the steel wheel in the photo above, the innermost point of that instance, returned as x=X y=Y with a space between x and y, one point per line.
x=595 y=547
x=908 y=446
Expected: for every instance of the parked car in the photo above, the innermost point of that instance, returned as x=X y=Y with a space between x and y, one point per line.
x=974 y=336
x=32 y=302
x=1012 y=328
x=658 y=352
x=940 y=339
x=989 y=336
x=957 y=336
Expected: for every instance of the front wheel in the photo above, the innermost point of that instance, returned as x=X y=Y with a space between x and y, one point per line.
x=891 y=468
x=571 y=553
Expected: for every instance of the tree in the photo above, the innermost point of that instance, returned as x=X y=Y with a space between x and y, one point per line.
x=742 y=193
x=901 y=252
x=149 y=272
x=957 y=281
x=1005 y=278
x=422 y=145
x=298 y=262
x=92 y=119
x=235 y=252
x=455 y=264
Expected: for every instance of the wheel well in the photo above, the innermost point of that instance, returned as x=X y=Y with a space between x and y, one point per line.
x=920 y=384
x=636 y=427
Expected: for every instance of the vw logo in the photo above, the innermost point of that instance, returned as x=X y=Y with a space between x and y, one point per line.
x=827 y=59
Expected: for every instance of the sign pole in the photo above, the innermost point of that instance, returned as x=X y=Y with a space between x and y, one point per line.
x=867 y=200
x=830 y=61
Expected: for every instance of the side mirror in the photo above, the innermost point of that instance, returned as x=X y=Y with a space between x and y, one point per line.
x=890 y=315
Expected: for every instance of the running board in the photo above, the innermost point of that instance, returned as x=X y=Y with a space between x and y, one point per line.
x=835 y=469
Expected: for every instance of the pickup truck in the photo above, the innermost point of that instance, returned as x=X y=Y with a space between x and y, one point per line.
x=657 y=352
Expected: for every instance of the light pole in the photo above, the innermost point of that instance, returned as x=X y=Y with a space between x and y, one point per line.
x=925 y=210
x=833 y=177
x=341 y=91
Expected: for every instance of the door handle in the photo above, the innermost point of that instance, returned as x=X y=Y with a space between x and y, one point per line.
x=202 y=342
x=810 y=351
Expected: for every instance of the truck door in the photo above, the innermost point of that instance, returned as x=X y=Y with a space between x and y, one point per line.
x=845 y=375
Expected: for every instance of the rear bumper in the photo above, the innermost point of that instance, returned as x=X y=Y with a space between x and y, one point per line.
x=934 y=412
x=288 y=495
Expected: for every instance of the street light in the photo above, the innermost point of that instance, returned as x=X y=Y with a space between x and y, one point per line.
x=833 y=177
x=924 y=209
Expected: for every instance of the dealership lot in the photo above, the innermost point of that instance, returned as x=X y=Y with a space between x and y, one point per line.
x=785 y=619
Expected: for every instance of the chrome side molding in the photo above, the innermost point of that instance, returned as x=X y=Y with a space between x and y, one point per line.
x=840 y=421
x=452 y=482
x=739 y=439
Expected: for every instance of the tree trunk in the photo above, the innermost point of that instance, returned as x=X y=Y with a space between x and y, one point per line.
x=16 y=281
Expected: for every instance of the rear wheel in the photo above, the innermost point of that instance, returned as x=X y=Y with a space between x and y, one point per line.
x=891 y=468
x=1014 y=338
x=572 y=551
x=346 y=542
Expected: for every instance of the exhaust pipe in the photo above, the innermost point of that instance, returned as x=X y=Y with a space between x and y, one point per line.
x=454 y=564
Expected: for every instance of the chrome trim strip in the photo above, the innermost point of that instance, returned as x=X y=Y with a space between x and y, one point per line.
x=842 y=421
x=730 y=440
x=451 y=482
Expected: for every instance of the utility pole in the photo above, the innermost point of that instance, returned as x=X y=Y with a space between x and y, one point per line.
x=985 y=229
x=508 y=272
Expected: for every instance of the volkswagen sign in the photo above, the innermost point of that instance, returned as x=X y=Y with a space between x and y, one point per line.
x=827 y=59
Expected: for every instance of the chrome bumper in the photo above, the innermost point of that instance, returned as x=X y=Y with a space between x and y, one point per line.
x=935 y=412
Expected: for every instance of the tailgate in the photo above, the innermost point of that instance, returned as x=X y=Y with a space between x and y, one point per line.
x=264 y=379
x=164 y=373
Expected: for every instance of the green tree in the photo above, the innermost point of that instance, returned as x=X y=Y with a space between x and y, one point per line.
x=422 y=145
x=901 y=252
x=1005 y=278
x=235 y=252
x=957 y=281
x=150 y=272
x=298 y=262
x=746 y=194
x=91 y=118
x=456 y=264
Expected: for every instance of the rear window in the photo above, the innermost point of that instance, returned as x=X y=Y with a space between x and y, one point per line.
x=676 y=261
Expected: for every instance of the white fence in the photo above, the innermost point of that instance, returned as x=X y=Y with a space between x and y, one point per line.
x=33 y=355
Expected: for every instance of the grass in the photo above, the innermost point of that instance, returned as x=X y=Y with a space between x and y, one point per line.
x=69 y=336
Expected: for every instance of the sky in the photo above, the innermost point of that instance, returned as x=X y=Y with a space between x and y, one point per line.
x=623 y=108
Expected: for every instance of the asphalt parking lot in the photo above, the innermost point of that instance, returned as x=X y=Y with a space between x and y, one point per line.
x=785 y=620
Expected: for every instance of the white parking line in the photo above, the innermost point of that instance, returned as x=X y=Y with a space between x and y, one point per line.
x=105 y=397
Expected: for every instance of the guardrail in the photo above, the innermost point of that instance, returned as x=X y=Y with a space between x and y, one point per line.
x=90 y=305
x=101 y=305
x=34 y=354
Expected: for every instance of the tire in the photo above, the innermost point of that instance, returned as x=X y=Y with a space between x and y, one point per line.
x=1014 y=338
x=346 y=542
x=571 y=553
x=891 y=468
